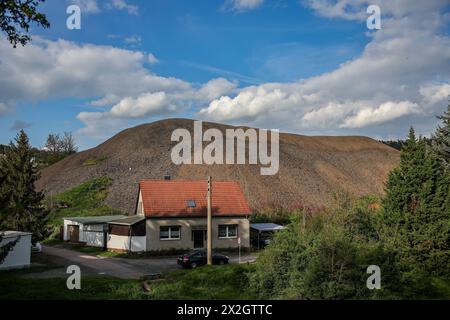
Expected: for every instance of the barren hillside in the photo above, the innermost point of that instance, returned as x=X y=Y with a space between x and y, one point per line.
x=311 y=168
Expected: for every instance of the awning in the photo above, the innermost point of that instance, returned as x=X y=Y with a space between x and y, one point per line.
x=128 y=221
x=94 y=219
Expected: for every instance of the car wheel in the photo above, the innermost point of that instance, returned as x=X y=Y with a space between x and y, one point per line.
x=221 y=262
x=193 y=265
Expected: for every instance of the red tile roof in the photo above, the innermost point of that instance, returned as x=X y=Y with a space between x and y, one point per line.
x=168 y=198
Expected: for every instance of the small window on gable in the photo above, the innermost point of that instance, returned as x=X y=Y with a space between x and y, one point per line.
x=190 y=203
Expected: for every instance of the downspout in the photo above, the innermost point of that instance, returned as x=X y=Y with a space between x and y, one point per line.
x=129 y=232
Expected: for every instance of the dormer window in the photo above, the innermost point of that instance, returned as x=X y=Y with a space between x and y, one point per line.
x=191 y=203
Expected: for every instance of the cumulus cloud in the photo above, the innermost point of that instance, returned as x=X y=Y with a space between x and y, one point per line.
x=435 y=93
x=388 y=81
x=144 y=105
x=49 y=69
x=215 y=88
x=402 y=74
x=385 y=112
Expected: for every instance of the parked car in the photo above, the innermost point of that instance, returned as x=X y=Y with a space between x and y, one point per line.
x=197 y=258
x=36 y=248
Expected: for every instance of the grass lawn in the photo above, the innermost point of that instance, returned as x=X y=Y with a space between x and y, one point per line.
x=208 y=282
x=86 y=199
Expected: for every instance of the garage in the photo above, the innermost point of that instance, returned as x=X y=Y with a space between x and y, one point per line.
x=91 y=231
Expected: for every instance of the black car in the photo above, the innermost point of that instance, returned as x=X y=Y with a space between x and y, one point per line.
x=197 y=258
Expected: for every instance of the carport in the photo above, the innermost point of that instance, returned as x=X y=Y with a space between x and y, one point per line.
x=261 y=233
x=128 y=234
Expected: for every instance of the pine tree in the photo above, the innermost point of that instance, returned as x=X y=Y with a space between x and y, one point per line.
x=20 y=204
x=417 y=212
x=441 y=138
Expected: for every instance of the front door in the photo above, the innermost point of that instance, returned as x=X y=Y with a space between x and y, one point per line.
x=198 y=236
x=74 y=233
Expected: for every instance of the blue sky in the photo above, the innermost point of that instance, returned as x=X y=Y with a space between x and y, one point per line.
x=299 y=66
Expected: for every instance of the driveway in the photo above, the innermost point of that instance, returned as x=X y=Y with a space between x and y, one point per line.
x=119 y=267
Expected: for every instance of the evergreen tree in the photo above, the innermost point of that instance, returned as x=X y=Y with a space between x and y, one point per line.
x=416 y=217
x=20 y=204
x=441 y=138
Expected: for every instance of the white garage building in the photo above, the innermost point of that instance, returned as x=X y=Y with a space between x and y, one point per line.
x=90 y=230
x=20 y=255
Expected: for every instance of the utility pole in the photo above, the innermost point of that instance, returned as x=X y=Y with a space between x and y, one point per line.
x=209 y=224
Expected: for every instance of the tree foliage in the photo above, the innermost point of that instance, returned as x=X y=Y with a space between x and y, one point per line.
x=16 y=16
x=441 y=138
x=21 y=205
x=408 y=237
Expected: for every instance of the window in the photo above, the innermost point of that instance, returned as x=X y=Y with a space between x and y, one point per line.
x=169 y=233
x=190 y=203
x=228 y=231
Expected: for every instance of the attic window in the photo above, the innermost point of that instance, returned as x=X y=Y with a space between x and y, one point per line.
x=191 y=203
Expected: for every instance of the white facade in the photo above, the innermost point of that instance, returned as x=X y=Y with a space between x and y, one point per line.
x=122 y=243
x=20 y=255
x=91 y=234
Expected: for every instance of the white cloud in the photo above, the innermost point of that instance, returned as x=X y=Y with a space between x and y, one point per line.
x=242 y=5
x=48 y=69
x=386 y=83
x=403 y=73
x=123 y=5
x=145 y=105
x=152 y=59
x=385 y=112
x=86 y=6
x=215 y=88
x=435 y=93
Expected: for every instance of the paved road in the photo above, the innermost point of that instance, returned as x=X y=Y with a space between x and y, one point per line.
x=104 y=266
x=119 y=267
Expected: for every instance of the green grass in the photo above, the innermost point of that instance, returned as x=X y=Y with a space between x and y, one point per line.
x=86 y=199
x=103 y=288
x=208 y=282
x=93 y=161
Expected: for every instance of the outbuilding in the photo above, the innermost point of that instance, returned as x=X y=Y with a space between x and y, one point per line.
x=20 y=255
x=89 y=230
x=261 y=233
x=127 y=235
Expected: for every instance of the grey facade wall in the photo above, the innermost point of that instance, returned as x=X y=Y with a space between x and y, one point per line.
x=186 y=242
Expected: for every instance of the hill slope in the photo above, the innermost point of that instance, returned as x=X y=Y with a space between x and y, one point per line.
x=311 y=168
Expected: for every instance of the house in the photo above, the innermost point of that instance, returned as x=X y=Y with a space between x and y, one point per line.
x=261 y=233
x=20 y=255
x=90 y=230
x=175 y=214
